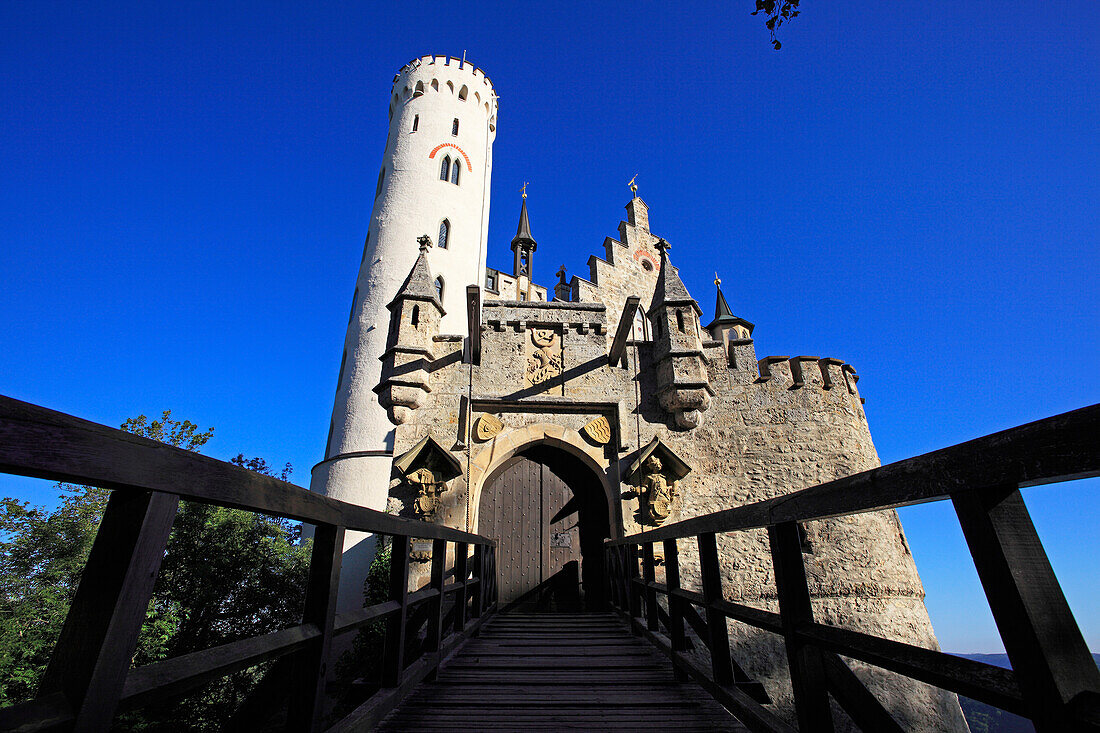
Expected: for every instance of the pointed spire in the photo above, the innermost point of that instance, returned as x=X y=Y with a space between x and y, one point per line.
x=723 y=316
x=523 y=231
x=670 y=288
x=419 y=285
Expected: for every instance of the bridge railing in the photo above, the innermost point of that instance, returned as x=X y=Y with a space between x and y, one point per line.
x=1053 y=681
x=89 y=676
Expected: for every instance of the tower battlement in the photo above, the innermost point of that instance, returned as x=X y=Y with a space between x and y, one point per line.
x=444 y=75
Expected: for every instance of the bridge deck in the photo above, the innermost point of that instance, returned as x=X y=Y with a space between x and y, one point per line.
x=553 y=671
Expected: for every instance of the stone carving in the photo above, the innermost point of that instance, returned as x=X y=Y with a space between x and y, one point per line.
x=428 y=487
x=543 y=357
x=657 y=491
x=487 y=427
x=655 y=474
x=420 y=550
x=598 y=430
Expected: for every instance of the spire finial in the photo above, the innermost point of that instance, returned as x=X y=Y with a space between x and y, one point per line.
x=524 y=189
x=717 y=281
x=633 y=186
x=561 y=274
x=425 y=242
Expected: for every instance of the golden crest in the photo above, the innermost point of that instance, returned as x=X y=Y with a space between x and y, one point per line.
x=598 y=430
x=487 y=427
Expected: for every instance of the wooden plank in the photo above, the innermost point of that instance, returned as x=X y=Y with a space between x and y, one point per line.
x=860 y=704
x=767 y=620
x=306 y=703
x=393 y=655
x=983 y=682
x=811 y=697
x=718 y=639
x=434 y=639
x=42 y=443
x=648 y=574
x=1059 y=448
x=1044 y=644
x=179 y=674
x=622 y=332
x=351 y=620
x=97 y=642
x=43 y=713
x=473 y=322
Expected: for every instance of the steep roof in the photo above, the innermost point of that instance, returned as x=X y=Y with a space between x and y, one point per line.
x=523 y=231
x=419 y=285
x=723 y=316
x=670 y=288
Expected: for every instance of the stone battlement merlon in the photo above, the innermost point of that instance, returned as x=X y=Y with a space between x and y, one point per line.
x=457 y=70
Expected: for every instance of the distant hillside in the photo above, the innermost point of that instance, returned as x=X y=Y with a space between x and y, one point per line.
x=984 y=718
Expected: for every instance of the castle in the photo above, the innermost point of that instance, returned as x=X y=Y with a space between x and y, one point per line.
x=550 y=419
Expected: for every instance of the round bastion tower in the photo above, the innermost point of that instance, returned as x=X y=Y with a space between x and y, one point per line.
x=434 y=180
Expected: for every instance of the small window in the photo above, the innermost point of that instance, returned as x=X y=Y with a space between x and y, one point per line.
x=463 y=93
x=491 y=282
x=419 y=89
x=451 y=87
x=444 y=230
x=445 y=168
x=522 y=295
x=680 y=320
x=354 y=302
x=454 y=127
x=381 y=178
x=415 y=320
x=647 y=265
x=435 y=85
x=454 y=172
x=416 y=122
x=439 y=288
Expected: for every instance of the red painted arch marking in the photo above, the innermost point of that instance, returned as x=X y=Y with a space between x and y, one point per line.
x=452 y=145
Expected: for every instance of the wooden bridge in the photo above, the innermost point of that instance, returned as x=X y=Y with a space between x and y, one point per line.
x=453 y=661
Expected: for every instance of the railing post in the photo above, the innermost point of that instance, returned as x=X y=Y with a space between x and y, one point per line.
x=811 y=697
x=649 y=575
x=634 y=593
x=100 y=633
x=393 y=657
x=479 y=572
x=462 y=571
x=719 y=640
x=306 y=705
x=675 y=605
x=435 y=605
x=1042 y=639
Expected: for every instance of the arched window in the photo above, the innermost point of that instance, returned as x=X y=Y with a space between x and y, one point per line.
x=435 y=84
x=463 y=92
x=354 y=302
x=451 y=87
x=439 y=288
x=454 y=127
x=416 y=122
x=445 y=168
x=444 y=230
x=415 y=317
x=454 y=172
x=381 y=178
x=419 y=89
x=680 y=320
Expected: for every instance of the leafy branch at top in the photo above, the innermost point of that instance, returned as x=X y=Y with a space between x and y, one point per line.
x=778 y=12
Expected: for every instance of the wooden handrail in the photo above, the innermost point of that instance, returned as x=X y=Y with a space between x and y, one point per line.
x=1053 y=680
x=1060 y=448
x=88 y=677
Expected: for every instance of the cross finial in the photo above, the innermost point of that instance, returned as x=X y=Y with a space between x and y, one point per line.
x=664 y=247
x=524 y=189
x=561 y=273
x=717 y=280
x=425 y=242
x=633 y=186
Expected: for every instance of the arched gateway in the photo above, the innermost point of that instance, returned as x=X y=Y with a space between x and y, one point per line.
x=548 y=511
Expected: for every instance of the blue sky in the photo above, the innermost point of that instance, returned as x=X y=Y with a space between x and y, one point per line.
x=912 y=188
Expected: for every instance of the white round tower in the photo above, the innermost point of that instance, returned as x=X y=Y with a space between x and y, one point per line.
x=434 y=180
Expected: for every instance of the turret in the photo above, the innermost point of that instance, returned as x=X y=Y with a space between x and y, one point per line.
x=523 y=251
x=727 y=327
x=415 y=315
x=682 y=386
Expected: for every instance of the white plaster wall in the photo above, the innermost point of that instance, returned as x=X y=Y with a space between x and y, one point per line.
x=411 y=201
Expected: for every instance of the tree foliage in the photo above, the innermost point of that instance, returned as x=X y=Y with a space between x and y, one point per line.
x=226 y=574
x=776 y=13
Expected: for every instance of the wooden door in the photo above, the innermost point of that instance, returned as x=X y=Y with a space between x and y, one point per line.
x=530 y=511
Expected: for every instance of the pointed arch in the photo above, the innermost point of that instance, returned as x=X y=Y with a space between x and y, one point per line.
x=444 y=231
x=445 y=168
x=463 y=93
x=439 y=287
x=435 y=85
x=451 y=87
x=454 y=173
x=419 y=91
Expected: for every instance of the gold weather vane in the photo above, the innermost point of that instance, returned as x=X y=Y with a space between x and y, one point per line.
x=717 y=281
x=524 y=189
x=633 y=187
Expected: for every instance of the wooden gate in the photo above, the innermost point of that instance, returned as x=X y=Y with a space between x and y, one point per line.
x=533 y=513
